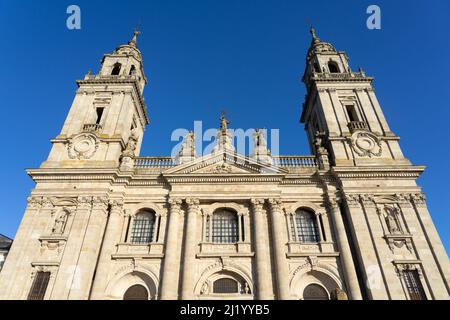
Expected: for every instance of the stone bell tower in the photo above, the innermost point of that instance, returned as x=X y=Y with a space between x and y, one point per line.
x=107 y=110
x=341 y=105
x=386 y=237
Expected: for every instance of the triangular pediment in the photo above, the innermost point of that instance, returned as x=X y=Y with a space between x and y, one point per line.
x=225 y=162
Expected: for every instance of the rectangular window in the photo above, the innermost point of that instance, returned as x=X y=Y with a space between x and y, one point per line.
x=39 y=286
x=414 y=285
x=351 y=112
x=99 y=114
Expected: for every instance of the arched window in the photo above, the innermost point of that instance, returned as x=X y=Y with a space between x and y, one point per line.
x=143 y=225
x=306 y=225
x=132 y=70
x=333 y=67
x=224 y=227
x=316 y=67
x=136 y=292
x=116 y=69
x=315 y=292
x=225 y=285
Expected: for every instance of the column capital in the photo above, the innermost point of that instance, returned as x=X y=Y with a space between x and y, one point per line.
x=419 y=199
x=175 y=205
x=331 y=202
x=257 y=205
x=368 y=200
x=256 y=201
x=192 y=202
x=116 y=206
x=404 y=199
x=84 y=202
x=34 y=202
x=275 y=204
x=100 y=203
x=352 y=200
x=47 y=203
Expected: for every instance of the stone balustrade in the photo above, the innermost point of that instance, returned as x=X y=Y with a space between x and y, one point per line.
x=92 y=127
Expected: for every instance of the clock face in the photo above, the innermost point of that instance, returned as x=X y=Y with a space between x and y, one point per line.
x=366 y=144
x=82 y=146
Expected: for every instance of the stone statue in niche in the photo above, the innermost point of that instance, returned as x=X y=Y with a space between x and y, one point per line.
x=391 y=220
x=319 y=142
x=246 y=288
x=131 y=145
x=60 y=223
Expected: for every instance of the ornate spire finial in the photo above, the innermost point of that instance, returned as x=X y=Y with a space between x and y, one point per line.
x=313 y=34
x=133 y=41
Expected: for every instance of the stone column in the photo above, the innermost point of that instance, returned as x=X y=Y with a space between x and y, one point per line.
x=15 y=265
x=240 y=238
x=419 y=203
x=279 y=248
x=112 y=237
x=162 y=226
x=263 y=268
x=68 y=273
x=171 y=265
x=190 y=248
x=423 y=246
x=90 y=249
x=350 y=275
x=326 y=226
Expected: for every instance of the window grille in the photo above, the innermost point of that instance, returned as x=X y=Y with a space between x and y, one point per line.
x=143 y=225
x=224 y=227
x=414 y=285
x=307 y=228
x=225 y=285
x=39 y=286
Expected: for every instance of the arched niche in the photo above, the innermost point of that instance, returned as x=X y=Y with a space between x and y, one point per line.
x=204 y=289
x=320 y=274
x=122 y=282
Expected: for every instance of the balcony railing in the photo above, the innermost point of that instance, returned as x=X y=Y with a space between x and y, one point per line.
x=154 y=162
x=357 y=125
x=92 y=127
x=295 y=161
x=340 y=76
x=281 y=161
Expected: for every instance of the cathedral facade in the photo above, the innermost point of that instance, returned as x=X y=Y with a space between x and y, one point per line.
x=346 y=222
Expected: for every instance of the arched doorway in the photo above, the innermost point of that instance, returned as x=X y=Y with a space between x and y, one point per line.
x=315 y=292
x=136 y=292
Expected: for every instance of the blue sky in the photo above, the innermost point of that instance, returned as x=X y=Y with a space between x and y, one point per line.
x=246 y=57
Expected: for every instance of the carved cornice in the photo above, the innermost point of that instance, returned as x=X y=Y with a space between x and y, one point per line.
x=231 y=178
x=378 y=173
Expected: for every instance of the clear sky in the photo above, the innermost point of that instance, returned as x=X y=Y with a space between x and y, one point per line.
x=240 y=55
